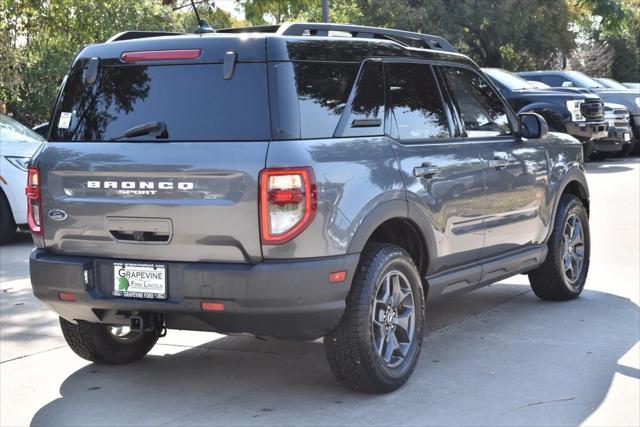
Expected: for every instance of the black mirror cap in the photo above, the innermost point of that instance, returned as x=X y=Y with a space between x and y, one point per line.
x=532 y=126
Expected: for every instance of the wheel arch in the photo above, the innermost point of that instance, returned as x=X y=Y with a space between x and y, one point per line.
x=390 y=223
x=574 y=182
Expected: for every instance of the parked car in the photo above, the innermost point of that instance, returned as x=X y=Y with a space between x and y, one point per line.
x=17 y=145
x=579 y=114
x=610 y=83
x=569 y=79
x=279 y=181
x=619 y=137
x=42 y=129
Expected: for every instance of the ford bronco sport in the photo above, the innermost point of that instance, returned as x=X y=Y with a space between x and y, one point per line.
x=293 y=182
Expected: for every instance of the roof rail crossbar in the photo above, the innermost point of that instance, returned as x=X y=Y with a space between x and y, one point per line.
x=255 y=29
x=322 y=29
x=130 y=35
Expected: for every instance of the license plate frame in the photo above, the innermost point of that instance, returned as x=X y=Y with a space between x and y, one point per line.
x=137 y=280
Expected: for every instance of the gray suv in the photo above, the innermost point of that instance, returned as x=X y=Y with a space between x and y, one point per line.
x=293 y=182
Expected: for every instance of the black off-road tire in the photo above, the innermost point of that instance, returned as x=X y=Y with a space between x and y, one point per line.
x=350 y=347
x=8 y=226
x=599 y=156
x=549 y=281
x=94 y=342
x=629 y=149
x=587 y=149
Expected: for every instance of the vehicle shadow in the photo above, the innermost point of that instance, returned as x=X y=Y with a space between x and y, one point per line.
x=612 y=165
x=521 y=361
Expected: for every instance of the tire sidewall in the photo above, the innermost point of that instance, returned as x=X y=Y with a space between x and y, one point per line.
x=573 y=207
x=399 y=260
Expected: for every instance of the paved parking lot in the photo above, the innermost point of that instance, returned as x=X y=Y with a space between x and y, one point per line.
x=498 y=356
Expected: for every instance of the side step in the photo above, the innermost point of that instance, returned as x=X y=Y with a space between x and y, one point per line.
x=469 y=277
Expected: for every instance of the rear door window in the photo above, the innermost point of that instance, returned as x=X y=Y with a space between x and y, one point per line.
x=479 y=106
x=415 y=103
x=194 y=101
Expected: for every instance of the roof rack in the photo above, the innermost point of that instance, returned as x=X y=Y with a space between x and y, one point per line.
x=405 y=38
x=254 y=29
x=130 y=35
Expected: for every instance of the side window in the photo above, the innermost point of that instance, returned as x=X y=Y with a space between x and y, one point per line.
x=415 y=103
x=479 y=106
x=555 y=81
x=323 y=89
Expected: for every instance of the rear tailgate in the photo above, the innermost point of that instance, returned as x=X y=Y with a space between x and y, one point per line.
x=189 y=194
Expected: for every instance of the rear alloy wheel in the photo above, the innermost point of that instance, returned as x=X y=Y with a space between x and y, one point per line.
x=376 y=346
x=393 y=318
x=563 y=274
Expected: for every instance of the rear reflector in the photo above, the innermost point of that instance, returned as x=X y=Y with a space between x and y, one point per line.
x=212 y=306
x=337 y=276
x=161 y=55
x=66 y=296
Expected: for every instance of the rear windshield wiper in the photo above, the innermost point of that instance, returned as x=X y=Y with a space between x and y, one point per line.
x=157 y=129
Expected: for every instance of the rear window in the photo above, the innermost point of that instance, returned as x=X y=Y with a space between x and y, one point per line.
x=193 y=101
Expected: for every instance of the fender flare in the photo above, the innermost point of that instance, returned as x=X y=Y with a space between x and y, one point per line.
x=573 y=174
x=393 y=209
x=383 y=212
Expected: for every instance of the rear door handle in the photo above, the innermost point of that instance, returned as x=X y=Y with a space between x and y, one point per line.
x=426 y=170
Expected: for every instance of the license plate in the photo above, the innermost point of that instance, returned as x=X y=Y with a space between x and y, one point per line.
x=147 y=281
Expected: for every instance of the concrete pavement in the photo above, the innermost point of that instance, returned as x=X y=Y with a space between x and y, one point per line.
x=498 y=356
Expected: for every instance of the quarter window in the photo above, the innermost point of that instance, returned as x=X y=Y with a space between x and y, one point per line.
x=479 y=107
x=415 y=103
x=323 y=90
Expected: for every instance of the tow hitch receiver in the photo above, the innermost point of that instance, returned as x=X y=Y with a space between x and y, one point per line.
x=147 y=322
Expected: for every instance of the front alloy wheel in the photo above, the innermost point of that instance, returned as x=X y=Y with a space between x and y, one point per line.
x=574 y=249
x=563 y=274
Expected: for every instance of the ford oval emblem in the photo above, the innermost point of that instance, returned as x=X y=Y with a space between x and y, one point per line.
x=57 y=215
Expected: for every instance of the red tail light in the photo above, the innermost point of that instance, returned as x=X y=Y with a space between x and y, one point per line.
x=288 y=203
x=161 y=55
x=34 y=207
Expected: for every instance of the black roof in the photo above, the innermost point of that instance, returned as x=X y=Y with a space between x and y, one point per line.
x=286 y=42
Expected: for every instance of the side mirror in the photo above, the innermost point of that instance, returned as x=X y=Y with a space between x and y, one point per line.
x=567 y=84
x=532 y=126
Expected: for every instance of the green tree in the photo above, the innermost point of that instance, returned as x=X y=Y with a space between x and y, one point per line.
x=260 y=12
x=512 y=34
x=40 y=39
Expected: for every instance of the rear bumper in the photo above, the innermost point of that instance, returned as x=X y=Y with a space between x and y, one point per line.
x=588 y=130
x=285 y=299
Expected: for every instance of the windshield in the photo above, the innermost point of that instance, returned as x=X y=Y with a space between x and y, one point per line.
x=507 y=79
x=584 y=81
x=11 y=130
x=194 y=103
x=610 y=83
